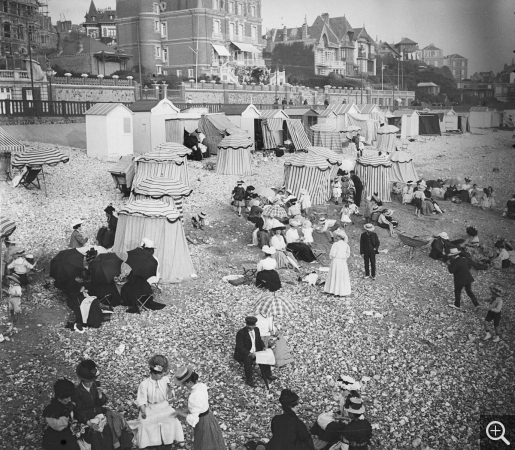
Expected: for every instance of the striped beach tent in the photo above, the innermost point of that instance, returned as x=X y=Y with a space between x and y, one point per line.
x=213 y=126
x=331 y=157
x=324 y=135
x=234 y=156
x=38 y=156
x=387 y=138
x=177 y=149
x=7 y=227
x=9 y=144
x=162 y=188
x=403 y=168
x=297 y=134
x=160 y=222
x=161 y=163
x=311 y=172
x=375 y=173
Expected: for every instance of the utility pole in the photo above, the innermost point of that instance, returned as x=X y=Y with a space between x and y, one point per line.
x=382 y=76
x=30 y=56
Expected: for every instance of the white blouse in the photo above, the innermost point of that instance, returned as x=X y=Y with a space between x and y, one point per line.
x=292 y=235
x=278 y=242
x=152 y=391
x=267 y=264
x=198 y=403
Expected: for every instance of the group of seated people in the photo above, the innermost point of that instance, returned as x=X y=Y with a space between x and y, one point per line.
x=478 y=256
x=195 y=141
x=420 y=195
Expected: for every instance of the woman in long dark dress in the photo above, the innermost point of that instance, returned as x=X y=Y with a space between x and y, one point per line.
x=58 y=416
x=207 y=434
x=299 y=249
x=267 y=277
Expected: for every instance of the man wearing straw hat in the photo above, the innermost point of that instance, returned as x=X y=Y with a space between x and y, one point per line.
x=459 y=267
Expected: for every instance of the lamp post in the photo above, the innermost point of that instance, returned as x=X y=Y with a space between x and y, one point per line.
x=50 y=74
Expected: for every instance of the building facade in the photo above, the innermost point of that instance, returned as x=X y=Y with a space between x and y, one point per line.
x=337 y=46
x=458 y=66
x=407 y=48
x=428 y=88
x=188 y=38
x=100 y=23
x=23 y=21
x=431 y=55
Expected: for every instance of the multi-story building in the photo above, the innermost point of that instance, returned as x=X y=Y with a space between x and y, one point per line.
x=337 y=47
x=385 y=49
x=23 y=21
x=457 y=64
x=431 y=55
x=100 y=23
x=407 y=48
x=191 y=37
x=481 y=89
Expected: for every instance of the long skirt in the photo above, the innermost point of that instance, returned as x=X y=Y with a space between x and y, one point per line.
x=263 y=238
x=338 y=279
x=427 y=208
x=159 y=427
x=284 y=260
x=102 y=290
x=207 y=434
x=59 y=440
x=268 y=279
x=301 y=251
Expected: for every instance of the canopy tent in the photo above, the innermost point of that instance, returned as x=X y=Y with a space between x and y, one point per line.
x=342 y=112
x=375 y=173
x=403 y=169
x=164 y=189
x=8 y=146
x=243 y=116
x=38 y=157
x=161 y=163
x=272 y=132
x=176 y=125
x=123 y=173
x=330 y=156
x=311 y=172
x=177 y=149
x=7 y=227
x=387 y=138
x=323 y=135
x=429 y=123
x=368 y=127
x=234 y=156
x=372 y=111
x=308 y=116
x=160 y=222
x=297 y=134
x=409 y=125
x=328 y=117
x=213 y=126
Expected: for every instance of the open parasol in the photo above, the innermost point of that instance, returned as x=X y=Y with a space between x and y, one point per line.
x=142 y=263
x=104 y=268
x=273 y=304
x=452 y=181
x=66 y=265
x=276 y=211
x=7 y=227
x=266 y=192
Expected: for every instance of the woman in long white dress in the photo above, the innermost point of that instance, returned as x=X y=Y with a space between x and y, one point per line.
x=284 y=258
x=157 y=424
x=338 y=279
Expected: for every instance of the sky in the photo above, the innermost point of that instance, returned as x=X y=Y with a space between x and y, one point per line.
x=481 y=30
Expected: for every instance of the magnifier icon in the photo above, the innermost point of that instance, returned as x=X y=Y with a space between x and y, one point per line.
x=495 y=431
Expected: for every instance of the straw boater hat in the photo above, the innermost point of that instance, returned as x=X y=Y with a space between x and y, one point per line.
x=410 y=182
x=14 y=278
x=348 y=383
x=76 y=222
x=240 y=182
x=454 y=252
x=355 y=406
x=369 y=227
x=19 y=252
x=444 y=235
x=147 y=243
x=294 y=223
x=340 y=233
x=375 y=207
x=182 y=374
x=203 y=215
x=276 y=225
x=268 y=250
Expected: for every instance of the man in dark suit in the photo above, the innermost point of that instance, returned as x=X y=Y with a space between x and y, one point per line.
x=358 y=186
x=248 y=342
x=459 y=267
x=368 y=246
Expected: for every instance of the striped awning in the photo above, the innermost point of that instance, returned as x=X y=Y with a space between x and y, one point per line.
x=309 y=160
x=39 y=157
x=329 y=155
x=374 y=161
x=323 y=127
x=401 y=157
x=175 y=148
x=235 y=142
x=158 y=187
x=9 y=144
x=387 y=129
x=236 y=130
x=152 y=209
x=7 y=227
x=159 y=156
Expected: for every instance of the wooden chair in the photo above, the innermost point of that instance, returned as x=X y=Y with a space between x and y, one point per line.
x=31 y=178
x=249 y=270
x=106 y=302
x=142 y=301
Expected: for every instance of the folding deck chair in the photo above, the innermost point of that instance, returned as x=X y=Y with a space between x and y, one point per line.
x=30 y=178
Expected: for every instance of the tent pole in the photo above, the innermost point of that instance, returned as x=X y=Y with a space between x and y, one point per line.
x=44 y=181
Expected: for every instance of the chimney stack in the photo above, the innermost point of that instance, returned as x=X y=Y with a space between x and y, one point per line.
x=325 y=17
x=305 y=29
x=285 y=34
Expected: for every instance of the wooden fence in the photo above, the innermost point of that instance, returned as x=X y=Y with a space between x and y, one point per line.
x=44 y=108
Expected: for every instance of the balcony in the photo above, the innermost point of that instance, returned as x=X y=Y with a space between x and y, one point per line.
x=336 y=64
x=249 y=62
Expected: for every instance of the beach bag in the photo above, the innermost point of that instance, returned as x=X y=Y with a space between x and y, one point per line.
x=282 y=352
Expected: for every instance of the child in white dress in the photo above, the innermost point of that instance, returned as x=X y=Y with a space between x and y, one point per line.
x=337 y=190
x=307 y=233
x=345 y=218
x=305 y=201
